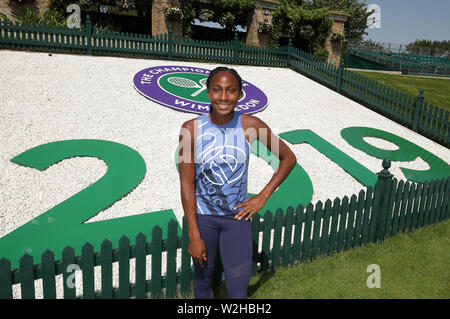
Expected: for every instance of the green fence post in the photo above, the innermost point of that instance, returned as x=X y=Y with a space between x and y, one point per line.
x=418 y=104
x=170 y=43
x=89 y=35
x=289 y=53
x=339 y=77
x=381 y=208
x=5 y=278
x=236 y=49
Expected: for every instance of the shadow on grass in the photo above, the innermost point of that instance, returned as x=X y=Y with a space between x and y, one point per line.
x=263 y=278
x=220 y=290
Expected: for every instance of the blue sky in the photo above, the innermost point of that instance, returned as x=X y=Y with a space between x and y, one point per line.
x=404 y=21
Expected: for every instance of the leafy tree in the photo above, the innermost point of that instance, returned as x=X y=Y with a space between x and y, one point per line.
x=308 y=28
x=428 y=47
x=229 y=13
x=60 y=5
x=356 y=25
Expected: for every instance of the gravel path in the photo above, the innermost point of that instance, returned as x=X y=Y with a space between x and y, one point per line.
x=49 y=98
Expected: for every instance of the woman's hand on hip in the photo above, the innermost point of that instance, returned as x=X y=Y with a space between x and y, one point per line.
x=251 y=206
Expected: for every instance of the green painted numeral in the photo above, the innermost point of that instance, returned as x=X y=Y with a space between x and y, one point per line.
x=297 y=188
x=355 y=169
x=64 y=224
x=407 y=152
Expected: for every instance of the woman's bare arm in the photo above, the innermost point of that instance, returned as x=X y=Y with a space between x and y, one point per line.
x=186 y=165
x=257 y=129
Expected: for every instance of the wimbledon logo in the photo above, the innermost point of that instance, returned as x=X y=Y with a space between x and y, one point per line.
x=184 y=89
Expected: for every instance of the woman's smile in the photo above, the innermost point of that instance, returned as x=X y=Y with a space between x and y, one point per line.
x=224 y=93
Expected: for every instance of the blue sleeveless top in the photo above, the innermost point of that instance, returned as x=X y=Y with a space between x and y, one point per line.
x=221 y=157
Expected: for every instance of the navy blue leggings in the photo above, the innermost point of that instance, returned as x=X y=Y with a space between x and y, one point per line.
x=234 y=237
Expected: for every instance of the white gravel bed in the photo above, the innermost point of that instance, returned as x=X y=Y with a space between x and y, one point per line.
x=50 y=98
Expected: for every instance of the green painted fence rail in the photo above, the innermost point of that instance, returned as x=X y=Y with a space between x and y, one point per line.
x=412 y=112
x=281 y=239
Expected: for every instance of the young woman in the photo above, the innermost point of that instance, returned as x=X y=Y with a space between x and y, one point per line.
x=213 y=161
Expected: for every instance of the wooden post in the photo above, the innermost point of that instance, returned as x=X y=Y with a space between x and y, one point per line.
x=5 y=279
x=89 y=35
x=236 y=49
x=418 y=104
x=381 y=207
x=289 y=52
x=339 y=77
x=170 y=42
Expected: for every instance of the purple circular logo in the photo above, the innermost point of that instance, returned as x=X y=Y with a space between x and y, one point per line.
x=184 y=88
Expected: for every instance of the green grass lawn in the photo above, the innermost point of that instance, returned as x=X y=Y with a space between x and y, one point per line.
x=437 y=91
x=412 y=265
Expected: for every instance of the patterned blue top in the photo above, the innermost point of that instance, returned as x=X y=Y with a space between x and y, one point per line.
x=221 y=165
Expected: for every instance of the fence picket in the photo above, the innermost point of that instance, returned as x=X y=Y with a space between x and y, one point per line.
x=124 y=267
x=185 y=260
x=288 y=236
x=359 y=219
x=429 y=202
x=87 y=266
x=318 y=216
x=306 y=249
x=402 y=213
x=368 y=211
x=397 y=195
x=156 y=249
x=333 y=231
x=106 y=257
x=141 y=256
x=297 y=245
x=446 y=204
x=48 y=275
x=350 y=232
x=412 y=194
x=68 y=261
x=343 y=211
x=325 y=228
x=433 y=210
x=440 y=216
x=277 y=238
x=267 y=232
x=26 y=271
x=423 y=201
x=416 y=207
x=256 y=228
x=171 y=268
x=5 y=272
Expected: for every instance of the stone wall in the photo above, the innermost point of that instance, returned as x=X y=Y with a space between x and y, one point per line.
x=160 y=24
x=262 y=13
x=334 y=48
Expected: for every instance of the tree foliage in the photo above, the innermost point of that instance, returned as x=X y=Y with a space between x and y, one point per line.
x=229 y=13
x=431 y=48
x=49 y=18
x=356 y=25
x=308 y=28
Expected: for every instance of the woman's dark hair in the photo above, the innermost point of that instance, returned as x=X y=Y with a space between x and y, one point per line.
x=223 y=69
